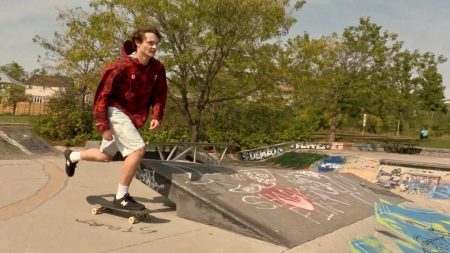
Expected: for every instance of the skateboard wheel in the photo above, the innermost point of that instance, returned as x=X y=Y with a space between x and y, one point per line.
x=132 y=220
x=95 y=211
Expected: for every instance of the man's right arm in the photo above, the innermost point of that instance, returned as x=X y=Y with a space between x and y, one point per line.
x=102 y=97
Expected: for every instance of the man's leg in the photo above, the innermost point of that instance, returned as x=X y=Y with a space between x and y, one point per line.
x=93 y=154
x=127 y=173
x=130 y=144
x=130 y=166
x=96 y=155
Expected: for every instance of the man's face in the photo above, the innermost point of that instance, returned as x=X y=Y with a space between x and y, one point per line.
x=148 y=46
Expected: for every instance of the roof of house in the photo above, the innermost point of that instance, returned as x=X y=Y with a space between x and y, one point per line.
x=50 y=81
x=4 y=78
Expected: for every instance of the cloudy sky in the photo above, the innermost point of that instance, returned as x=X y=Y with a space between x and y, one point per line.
x=422 y=25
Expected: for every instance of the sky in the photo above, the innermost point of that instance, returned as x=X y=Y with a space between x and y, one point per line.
x=422 y=25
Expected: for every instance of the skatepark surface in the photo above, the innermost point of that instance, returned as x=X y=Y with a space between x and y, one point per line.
x=41 y=210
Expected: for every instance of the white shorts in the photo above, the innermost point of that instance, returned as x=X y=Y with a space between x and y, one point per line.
x=126 y=138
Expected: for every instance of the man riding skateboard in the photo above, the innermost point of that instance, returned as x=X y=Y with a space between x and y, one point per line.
x=127 y=89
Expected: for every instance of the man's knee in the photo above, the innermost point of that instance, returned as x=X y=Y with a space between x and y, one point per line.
x=106 y=157
x=138 y=153
x=141 y=152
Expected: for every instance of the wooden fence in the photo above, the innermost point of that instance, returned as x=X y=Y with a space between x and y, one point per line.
x=25 y=108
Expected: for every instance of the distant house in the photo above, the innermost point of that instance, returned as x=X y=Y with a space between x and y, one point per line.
x=446 y=102
x=42 y=87
x=6 y=80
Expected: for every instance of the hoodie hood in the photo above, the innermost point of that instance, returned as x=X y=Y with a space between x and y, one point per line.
x=127 y=48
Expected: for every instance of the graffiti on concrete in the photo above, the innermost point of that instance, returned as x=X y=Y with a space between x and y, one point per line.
x=369 y=244
x=418 y=184
x=331 y=163
x=389 y=179
x=440 y=192
x=412 y=181
x=270 y=151
x=337 y=145
x=266 y=194
x=131 y=229
x=262 y=153
x=306 y=145
x=412 y=229
x=425 y=228
x=325 y=188
x=314 y=196
x=148 y=177
x=195 y=175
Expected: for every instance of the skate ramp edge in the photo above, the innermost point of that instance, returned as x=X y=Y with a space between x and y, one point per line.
x=22 y=140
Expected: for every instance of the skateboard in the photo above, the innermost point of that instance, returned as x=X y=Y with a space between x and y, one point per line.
x=106 y=206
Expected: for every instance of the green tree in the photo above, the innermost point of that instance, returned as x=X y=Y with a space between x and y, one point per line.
x=11 y=95
x=83 y=48
x=15 y=71
x=205 y=42
x=429 y=87
x=363 y=70
x=415 y=86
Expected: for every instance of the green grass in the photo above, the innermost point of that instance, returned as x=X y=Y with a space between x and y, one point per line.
x=435 y=142
x=23 y=119
x=297 y=160
x=431 y=142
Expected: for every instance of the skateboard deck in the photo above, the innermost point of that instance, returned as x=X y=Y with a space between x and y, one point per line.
x=104 y=205
x=429 y=239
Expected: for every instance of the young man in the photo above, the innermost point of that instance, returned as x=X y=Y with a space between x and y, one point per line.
x=127 y=89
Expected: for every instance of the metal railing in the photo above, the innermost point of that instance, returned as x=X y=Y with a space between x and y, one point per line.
x=198 y=152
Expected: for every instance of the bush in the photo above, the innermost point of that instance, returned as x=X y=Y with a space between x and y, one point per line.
x=67 y=123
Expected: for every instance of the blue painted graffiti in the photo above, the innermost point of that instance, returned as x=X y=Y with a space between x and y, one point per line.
x=330 y=163
x=426 y=229
x=440 y=192
x=418 y=184
x=369 y=244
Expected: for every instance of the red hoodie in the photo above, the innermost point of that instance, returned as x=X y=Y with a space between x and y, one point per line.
x=131 y=87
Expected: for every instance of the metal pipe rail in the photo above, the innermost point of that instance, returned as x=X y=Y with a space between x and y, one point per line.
x=178 y=150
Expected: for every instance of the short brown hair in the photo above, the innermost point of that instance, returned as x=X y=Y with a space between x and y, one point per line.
x=138 y=35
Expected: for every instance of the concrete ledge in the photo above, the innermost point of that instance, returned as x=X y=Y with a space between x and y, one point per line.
x=422 y=165
x=438 y=152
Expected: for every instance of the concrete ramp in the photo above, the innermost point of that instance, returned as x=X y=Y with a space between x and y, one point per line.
x=20 y=140
x=285 y=207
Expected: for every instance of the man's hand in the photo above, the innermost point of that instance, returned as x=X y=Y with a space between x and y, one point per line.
x=107 y=135
x=154 y=125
